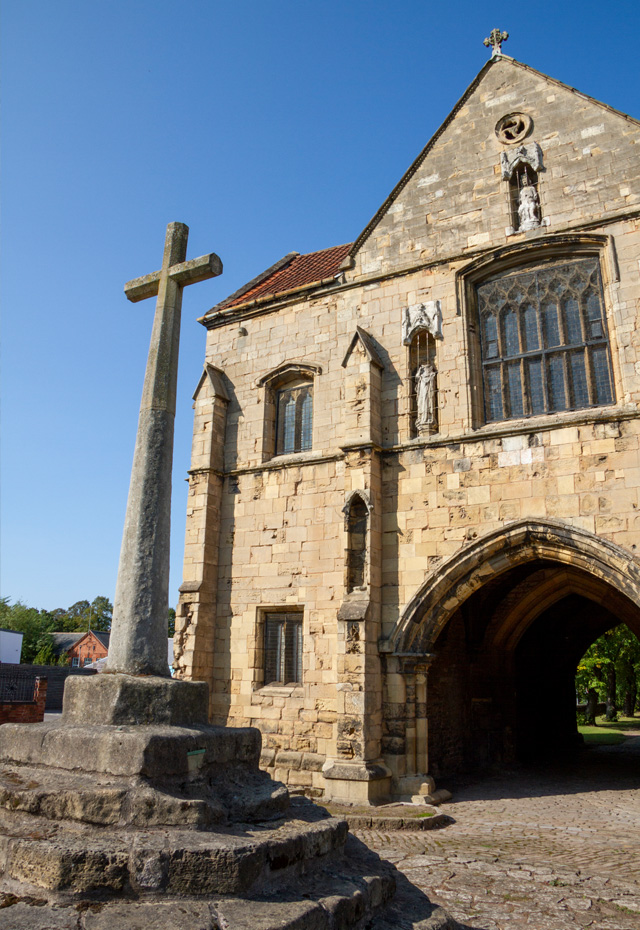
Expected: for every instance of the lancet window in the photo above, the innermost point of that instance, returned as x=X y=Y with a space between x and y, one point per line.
x=357 y=524
x=544 y=341
x=294 y=418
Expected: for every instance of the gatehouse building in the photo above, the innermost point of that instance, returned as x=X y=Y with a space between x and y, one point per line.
x=414 y=489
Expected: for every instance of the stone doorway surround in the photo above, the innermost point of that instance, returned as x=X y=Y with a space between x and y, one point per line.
x=518 y=576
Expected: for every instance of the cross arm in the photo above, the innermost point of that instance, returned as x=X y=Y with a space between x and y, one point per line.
x=141 y=288
x=197 y=269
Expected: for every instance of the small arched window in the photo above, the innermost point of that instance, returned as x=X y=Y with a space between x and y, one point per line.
x=357 y=525
x=288 y=408
x=294 y=417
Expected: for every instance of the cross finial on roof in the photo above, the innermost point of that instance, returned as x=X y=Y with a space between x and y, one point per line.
x=495 y=39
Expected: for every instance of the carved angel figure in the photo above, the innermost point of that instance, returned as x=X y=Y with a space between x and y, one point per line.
x=426 y=396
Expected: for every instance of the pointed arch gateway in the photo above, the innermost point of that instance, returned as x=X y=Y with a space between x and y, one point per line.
x=501 y=627
x=429 y=610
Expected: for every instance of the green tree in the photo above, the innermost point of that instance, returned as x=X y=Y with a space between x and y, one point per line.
x=36 y=625
x=29 y=621
x=83 y=616
x=611 y=667
x=172 y=622
x=45 y=654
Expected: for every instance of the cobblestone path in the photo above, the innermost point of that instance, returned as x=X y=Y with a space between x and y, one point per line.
x=548 y=849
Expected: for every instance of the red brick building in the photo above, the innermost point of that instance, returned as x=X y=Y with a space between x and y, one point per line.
x=82 y=648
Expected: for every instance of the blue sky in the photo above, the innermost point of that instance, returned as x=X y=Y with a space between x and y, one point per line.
x=265 y=125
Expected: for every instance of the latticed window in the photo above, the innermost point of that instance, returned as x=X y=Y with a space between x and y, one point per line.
x=294 y=418
x=283 y=648
x=544 y=341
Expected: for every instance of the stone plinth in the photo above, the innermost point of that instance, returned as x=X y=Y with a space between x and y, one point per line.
x=107 y=804
x=106 y=763
x=126 y=699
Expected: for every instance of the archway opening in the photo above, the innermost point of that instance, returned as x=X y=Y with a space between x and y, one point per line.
x=502 y=681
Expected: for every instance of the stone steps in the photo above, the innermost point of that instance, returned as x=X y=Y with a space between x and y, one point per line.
x=98 y=862
x=153 y=818
x=59 y=795
x=350 y=892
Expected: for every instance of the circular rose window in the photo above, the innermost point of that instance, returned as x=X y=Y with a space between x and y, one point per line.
x=514 y=127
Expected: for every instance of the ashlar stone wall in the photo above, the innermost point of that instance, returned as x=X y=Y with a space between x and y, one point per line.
x=268 y=531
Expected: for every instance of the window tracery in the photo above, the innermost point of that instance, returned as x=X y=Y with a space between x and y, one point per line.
x=294 y=418
x=288 y=408
x=544 y=342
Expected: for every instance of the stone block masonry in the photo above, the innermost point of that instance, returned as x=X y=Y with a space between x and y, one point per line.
x=369 y=709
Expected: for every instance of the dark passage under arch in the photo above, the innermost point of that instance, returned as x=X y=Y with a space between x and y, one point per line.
x=501 y=683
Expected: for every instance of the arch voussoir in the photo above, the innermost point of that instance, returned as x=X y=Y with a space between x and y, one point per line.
x=443 y=592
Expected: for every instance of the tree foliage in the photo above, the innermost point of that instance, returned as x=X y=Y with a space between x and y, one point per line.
x=37 y=625
x=611 y=668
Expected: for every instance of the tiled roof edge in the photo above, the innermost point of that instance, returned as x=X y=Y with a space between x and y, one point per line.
x=281 y=263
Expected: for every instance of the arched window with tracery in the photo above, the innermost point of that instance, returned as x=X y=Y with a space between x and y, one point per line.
x=288 y=408
x=544 y=340
x=294 y=417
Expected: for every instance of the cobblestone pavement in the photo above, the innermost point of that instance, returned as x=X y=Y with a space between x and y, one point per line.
x=548 y=849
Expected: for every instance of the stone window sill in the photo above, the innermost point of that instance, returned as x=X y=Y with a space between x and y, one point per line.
x=279 y=691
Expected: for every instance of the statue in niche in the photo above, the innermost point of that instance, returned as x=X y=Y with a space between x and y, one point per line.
x=426 y=398
x=528 y=207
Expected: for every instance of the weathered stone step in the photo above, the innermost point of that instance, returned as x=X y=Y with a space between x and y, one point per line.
x=56 y=794
x=389 y=824
x=43 y=855
x=149 y=751
x=346 y=892
x=350 y=893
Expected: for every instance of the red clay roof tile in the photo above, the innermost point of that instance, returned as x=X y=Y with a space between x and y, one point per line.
x=301 y=270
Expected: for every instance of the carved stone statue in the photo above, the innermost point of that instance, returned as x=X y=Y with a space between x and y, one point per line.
x=528 y=208
x=426 y=398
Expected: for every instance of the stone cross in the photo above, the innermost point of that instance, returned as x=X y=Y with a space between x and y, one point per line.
x=138 y=643
x=495 y=40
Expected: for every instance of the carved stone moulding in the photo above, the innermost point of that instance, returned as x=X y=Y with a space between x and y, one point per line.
x=425 y=317
x=513 y=128
x=530 y=154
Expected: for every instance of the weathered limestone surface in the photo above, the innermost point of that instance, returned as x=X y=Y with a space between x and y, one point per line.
x=138 y=642
x=282 y=538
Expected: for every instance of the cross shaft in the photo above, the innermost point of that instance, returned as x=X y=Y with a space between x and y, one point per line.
x=138 y=643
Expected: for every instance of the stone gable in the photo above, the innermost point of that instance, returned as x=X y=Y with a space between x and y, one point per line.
x=455 y=200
